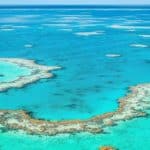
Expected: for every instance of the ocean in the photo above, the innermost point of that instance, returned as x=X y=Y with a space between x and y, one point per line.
x=103 y=50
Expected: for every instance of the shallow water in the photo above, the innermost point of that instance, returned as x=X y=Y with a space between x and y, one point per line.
x=90 y=82
x=131 y=135
x=10 y=72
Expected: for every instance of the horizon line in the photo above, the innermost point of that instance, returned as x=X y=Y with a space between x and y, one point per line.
x=75 y=4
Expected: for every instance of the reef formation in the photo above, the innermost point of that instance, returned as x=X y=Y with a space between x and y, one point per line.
x=37 y=72
x=107 y=148
x=133 y=105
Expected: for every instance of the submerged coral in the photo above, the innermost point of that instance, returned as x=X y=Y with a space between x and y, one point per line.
x=37 y=72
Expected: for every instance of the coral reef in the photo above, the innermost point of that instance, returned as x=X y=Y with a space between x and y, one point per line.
x=37 y=72
x=107 y=148
x=131 y=106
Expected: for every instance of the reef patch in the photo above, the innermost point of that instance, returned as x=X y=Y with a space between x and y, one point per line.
x=37 y=72
x=133 y=105
x=107 y=148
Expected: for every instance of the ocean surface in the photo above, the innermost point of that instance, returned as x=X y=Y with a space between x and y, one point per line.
x=102 y=51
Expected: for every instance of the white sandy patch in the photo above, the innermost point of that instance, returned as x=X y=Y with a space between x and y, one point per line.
x=55 y=25
x=117 y=26
x=18 y=18
x=80 y=25
x=71 y=18
x=74 y=16
x=28 y=45
x=112 y=55
x=132 y=21
x=11 y=27
x=28 y=16
x=131 y=30
x=90 y=33
x=66 y=29
x=7 y=29
x=145 y=35
x=12 y=20
x=19 y=26
x=139 y=45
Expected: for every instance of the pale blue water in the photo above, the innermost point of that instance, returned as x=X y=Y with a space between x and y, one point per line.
x=10 y=72
x=131 y=135
x=90 y=82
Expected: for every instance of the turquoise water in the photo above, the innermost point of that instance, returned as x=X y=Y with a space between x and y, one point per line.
x=10 y=72
x=90 y=82
x=130 y=135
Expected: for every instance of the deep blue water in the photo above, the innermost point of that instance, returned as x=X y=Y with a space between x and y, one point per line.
x=90 y=83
